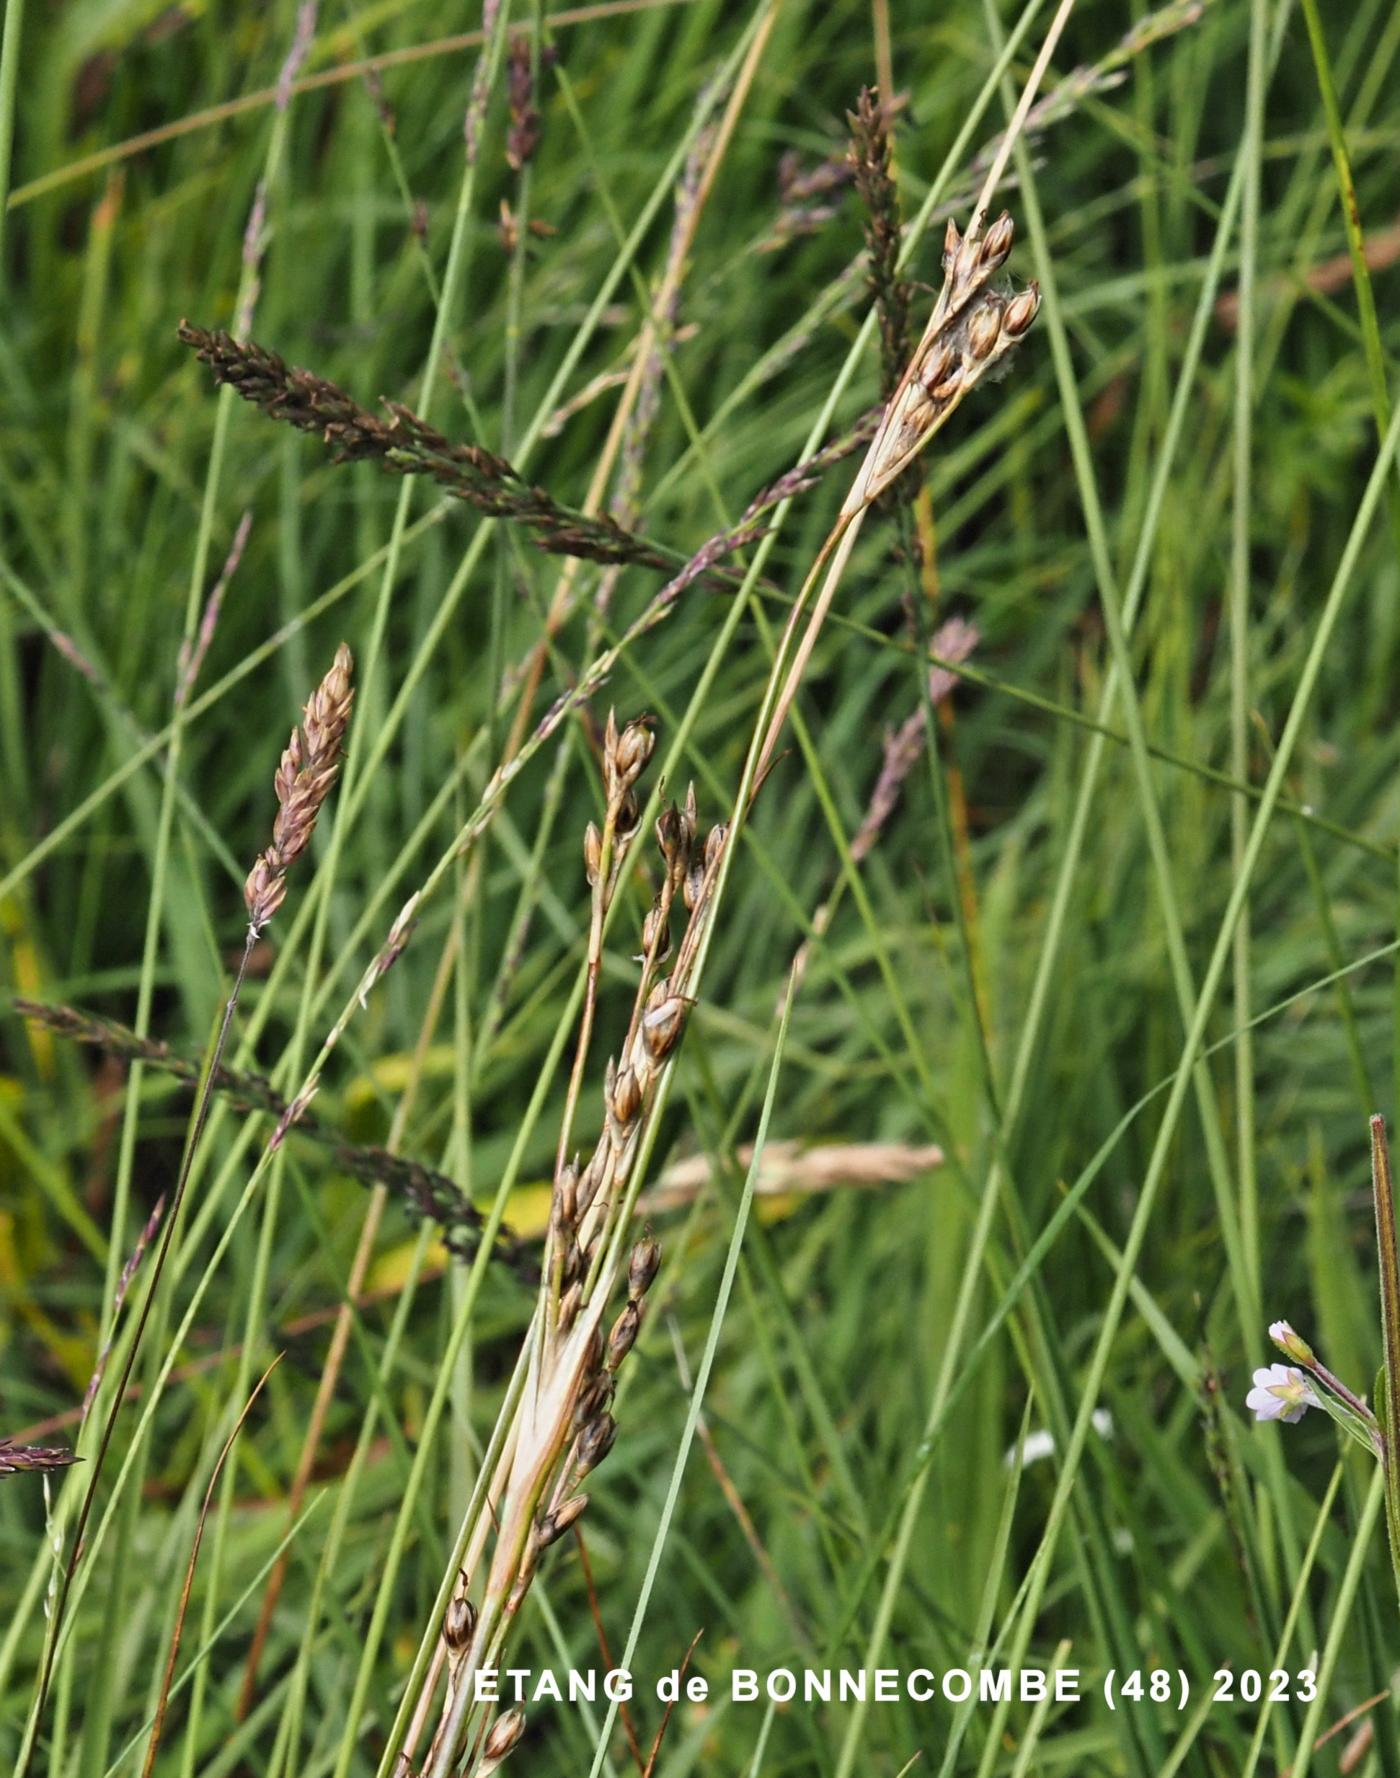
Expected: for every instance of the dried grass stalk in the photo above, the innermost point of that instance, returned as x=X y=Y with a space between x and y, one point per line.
x=596 y=1273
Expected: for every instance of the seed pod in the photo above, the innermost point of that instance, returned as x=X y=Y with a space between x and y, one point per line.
x=643 y=1266
x=656 y=933
x=595 y=1441
x=571 y=1261
x=553 y=1525
x=592 y=1402
x=674 y=834
x=996 y=244
x=624 y=1335
x=625 y=1100
x=593 y=1357
x=714 y=842
x=592 y=853
x=968 y=255
x=694 y=887
x=983 y=329
x=505 y=1732
x=659 y=993
x=566 y=1194
x=627 y=817
x=916 y=410
x=1021 y=311
x=950 y=385
x=632 y=752
x=568 y=1305
x=662 y=1025
x=588 y=1182
x=952 y=240
x=459 y=1623
x=937 y=365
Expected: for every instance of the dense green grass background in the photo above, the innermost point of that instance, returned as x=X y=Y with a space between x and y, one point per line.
x=1214 y=463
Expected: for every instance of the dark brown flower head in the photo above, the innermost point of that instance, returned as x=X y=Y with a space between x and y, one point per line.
x=302 y=781
x=14 y=1458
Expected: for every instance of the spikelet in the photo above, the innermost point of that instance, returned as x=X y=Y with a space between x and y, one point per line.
x=303 y=781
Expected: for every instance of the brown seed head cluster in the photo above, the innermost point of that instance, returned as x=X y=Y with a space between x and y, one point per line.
x=596 y=1273
x=972 y=328
x=14 y=1458
x=302 y=781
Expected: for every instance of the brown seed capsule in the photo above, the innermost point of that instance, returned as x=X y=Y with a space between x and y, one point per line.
x=952 y=240
x=625 y=1100
x=694 y=887
x=505 y=1732
x=592 y=1402
x=936 y=366
x=595 y=1441
x=660 y=992
x=1021 y=311
x=965 y=266
x=566 y=1194
x=628 y=815
x=588 y=1182
x=996 y=243
x=571 y=1261
x=983 y=328
x=459 y=1623
x=656 y=933
x=592 y=852
x=624 y=1335
x=553 y=1525
x=673 y=837
x=568 y=1305
x=916 y=410
x=949 y=386
x=643 y=1266
x=632 y=752
x=662 y=1025
x=714 y=842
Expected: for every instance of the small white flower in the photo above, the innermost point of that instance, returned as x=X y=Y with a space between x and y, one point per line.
x=1280 y=1393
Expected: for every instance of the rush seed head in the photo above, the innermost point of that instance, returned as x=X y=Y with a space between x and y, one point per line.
x=643 y=1266
x=1022 y=310
x=983 y=329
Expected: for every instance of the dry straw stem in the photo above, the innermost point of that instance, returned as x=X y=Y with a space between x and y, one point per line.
x=791 y=1168
x=561 y=1426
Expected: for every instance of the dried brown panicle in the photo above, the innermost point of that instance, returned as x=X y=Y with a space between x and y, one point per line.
x=870 y=162
x=302 y=781
x=14 y=1458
